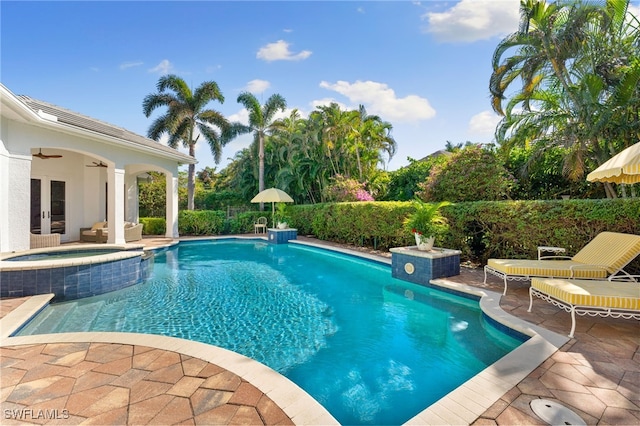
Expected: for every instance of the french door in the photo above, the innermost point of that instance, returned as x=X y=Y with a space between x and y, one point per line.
x=48 y=206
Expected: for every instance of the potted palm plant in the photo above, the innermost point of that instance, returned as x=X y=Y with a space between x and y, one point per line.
x=426 y=223
x=281 y=216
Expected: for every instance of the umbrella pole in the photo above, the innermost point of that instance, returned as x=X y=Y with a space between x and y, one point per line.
x=273 y=214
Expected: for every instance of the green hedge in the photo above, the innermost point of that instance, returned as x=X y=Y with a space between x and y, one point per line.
x=373 y=224
x=153 y=225
x=201 y=222
x=205 y=222
x=514 y=229
x=481 y=230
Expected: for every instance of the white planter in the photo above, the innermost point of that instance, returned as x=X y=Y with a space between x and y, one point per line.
x=423 y=242
x=282 y=225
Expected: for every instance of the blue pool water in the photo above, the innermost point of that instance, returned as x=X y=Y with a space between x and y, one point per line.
x=372 y=349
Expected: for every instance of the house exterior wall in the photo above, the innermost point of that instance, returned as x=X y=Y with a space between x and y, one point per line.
x=90 y=191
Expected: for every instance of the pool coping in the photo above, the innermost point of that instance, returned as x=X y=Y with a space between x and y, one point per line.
x=463 y=405
x=125 y=251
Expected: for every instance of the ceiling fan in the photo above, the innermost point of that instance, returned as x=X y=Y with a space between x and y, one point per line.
x=100 y=164
x=45 y=156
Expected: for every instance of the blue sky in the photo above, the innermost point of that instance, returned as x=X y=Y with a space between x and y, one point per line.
x=422 y=66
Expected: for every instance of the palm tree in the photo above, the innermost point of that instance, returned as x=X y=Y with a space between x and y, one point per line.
x=186 y=119
x=578 y=63
x=372 y=137
x=261 y=123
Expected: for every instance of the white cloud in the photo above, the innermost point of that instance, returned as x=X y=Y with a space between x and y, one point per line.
x=257 y=86
x=483 y=124
x=279 y=51
x=472 y=20
x=634 y=9
x=241 y=116
x=164 y=67
x=126 y=65
x=381 y=100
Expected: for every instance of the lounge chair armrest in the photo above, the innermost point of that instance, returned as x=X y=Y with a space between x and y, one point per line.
x=556 y=250
x=587 y=266
x=554 y=257
x=625 y=278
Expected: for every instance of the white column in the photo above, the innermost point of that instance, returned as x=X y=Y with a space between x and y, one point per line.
x=15 y=202
x=132 y=208
x=115 y=199
x=172 y=206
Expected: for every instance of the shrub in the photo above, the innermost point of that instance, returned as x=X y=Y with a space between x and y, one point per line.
x=154 y=225
x=343 y=189
x=201 y=222
x=482 y=229
x=471 y=174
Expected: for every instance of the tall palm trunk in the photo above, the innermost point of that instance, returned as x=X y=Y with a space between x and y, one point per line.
x=191 y=184
x=261 y=165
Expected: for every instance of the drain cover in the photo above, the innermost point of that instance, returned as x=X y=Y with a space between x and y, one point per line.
x=554 y=413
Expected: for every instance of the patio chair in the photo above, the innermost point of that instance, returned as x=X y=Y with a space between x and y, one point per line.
x=42 y=241
x=260 y=225
x=602 y=258
x=617 y=299
x=133 y=231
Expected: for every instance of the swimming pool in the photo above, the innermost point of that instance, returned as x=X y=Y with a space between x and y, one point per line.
x=370 y=348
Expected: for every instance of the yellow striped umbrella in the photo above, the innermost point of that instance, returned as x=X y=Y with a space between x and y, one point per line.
x=623 y=167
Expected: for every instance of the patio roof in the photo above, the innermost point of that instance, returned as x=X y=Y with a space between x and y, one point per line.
x=75 y=119
x=53 y=114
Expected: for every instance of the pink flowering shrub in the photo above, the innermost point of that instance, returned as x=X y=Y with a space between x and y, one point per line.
x=343 y=189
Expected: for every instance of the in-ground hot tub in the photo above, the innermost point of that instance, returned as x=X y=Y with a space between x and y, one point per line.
x=73 y=272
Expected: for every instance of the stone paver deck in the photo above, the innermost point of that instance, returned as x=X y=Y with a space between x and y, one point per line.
x=596 y=374
x=106 y=383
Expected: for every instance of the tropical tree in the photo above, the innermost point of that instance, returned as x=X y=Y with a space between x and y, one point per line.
x=370 y=136
x=404 y=182
x=186 y=119
x=302 y=156
x=475 y=173
x=579 y=67
x=261 y=123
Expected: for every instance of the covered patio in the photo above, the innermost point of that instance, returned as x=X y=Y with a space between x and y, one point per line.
x=61 y=171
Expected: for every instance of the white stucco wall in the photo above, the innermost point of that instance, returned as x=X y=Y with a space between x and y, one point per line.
x=86 y=196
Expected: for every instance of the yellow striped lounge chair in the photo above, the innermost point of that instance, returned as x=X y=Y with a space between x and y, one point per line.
x=617 y=299
x=602 y=258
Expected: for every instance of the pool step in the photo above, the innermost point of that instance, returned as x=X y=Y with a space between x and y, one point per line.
x=50 y=319
x=83 y=316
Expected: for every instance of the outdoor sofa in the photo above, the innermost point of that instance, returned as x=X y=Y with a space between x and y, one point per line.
x=98 y=233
